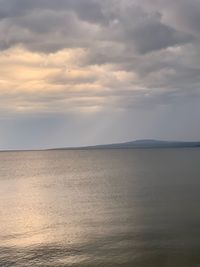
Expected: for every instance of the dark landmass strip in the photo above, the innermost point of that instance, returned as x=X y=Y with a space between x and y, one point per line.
x=139 y=144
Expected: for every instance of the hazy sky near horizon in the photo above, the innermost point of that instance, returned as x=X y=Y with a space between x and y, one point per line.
x=82 y=72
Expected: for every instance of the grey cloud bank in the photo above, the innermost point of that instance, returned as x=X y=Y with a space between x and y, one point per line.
x=103 y=69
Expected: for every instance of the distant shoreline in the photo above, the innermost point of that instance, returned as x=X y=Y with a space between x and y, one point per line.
x=138 y=144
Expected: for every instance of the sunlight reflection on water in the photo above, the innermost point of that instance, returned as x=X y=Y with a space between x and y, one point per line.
x=100 y=208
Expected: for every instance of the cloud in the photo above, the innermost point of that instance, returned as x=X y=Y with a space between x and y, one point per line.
x=153 y=36
x=90 y=56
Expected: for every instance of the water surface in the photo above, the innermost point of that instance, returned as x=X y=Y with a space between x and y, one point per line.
x=120 y=207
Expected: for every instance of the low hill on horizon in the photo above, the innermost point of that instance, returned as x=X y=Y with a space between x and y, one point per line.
x=143 y=143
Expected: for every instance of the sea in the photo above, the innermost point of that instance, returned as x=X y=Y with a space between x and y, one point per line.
x=101 y=207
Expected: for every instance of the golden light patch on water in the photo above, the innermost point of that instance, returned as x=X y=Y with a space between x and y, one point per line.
x=33 y=224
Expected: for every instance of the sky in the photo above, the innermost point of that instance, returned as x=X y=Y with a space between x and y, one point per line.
x=85 y=72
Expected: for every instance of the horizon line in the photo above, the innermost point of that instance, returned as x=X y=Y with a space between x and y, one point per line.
x=102 y=145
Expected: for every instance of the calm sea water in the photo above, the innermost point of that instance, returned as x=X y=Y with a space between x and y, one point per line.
x=100 y=208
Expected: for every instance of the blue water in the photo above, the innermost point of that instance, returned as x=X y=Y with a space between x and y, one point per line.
x=100 y=208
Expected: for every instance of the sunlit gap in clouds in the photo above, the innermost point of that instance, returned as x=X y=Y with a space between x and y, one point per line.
x=55 y=82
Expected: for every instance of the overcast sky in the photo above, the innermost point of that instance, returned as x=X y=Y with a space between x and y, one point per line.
x=81 y=72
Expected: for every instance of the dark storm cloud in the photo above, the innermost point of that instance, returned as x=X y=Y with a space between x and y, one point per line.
x=47 y=26
x=63 y=20
x=181 y=14
x=152 y=36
